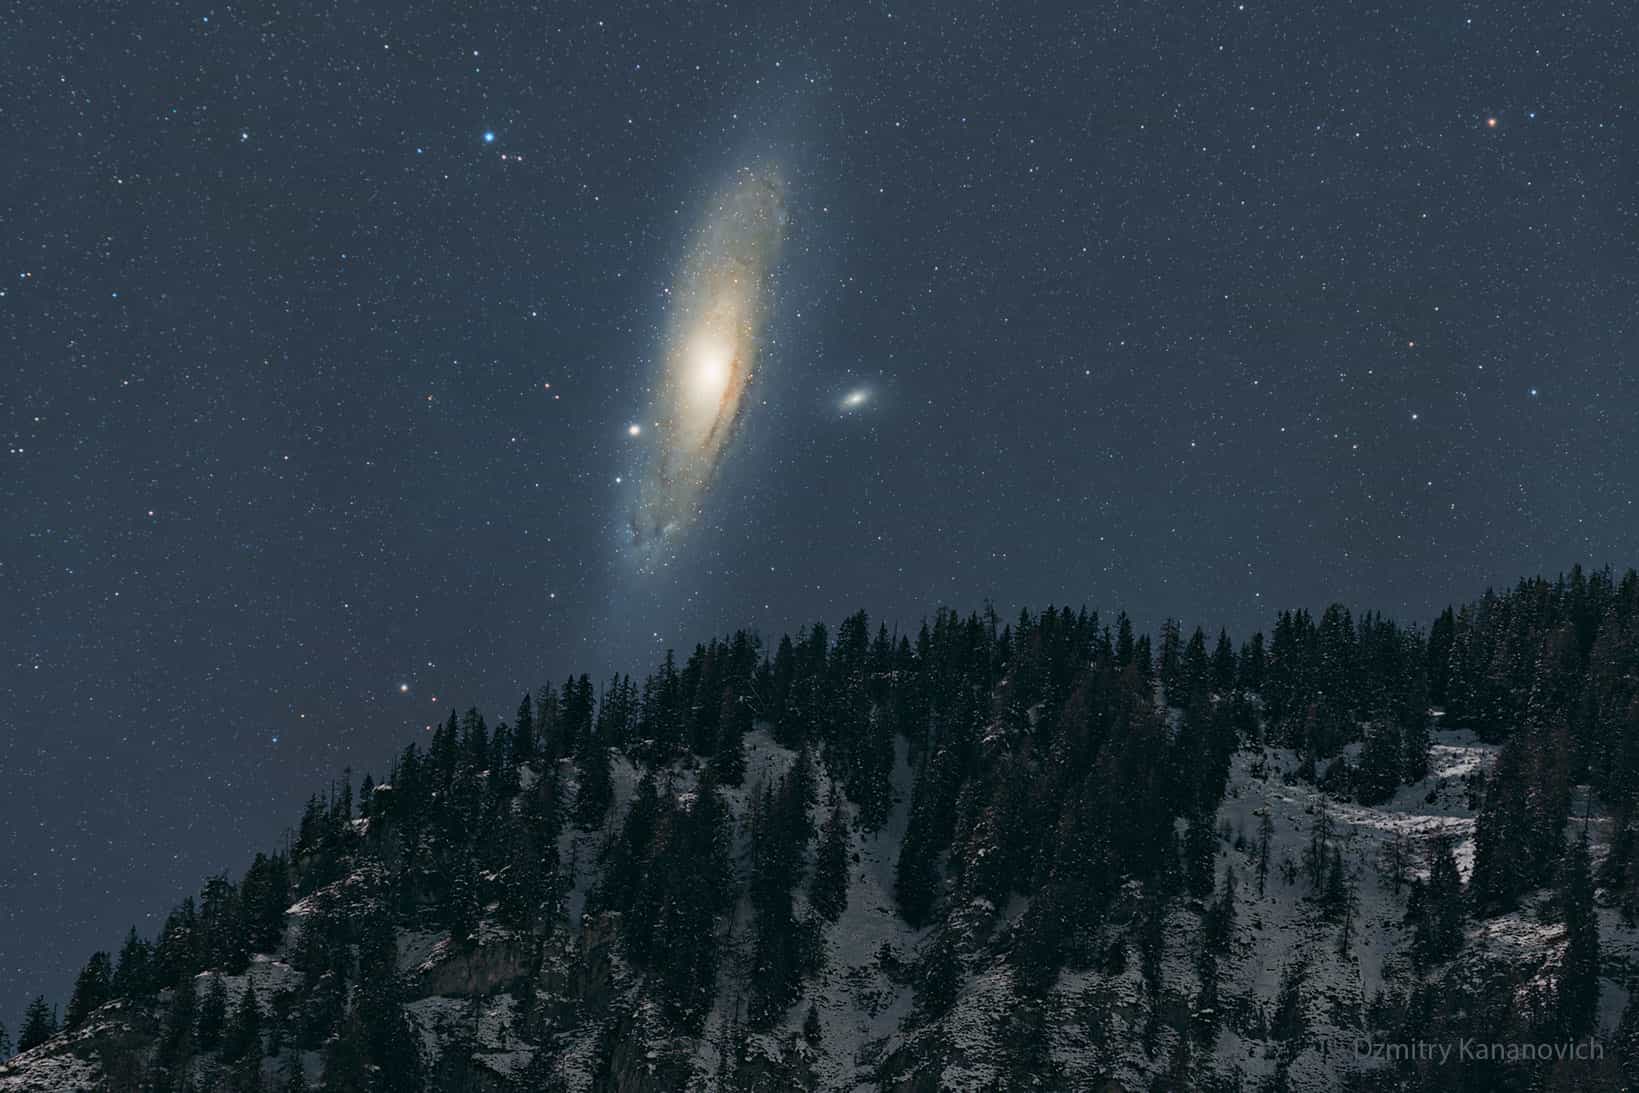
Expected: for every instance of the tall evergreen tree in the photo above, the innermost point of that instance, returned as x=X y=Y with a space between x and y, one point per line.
x=213 y=1014
x=132 y=975
x=1289 y=1023
x=1266 y=832
x=244 y=1034
x=523 y=732
x=1579 y=974
x=92 y=988
x=828 y=890
x=1382 y=762
x=626 y=857
x=38 y=1025
x=1223 y=663
x=596 y=780
x=177 y=1041
x=1517 y=835
x=916 y=873
x=385 y=1036
x=1170 y=663
x=1316 y=855
x=463 y=907
x=1435 y=909
x=1335 y=893
x=1200 y=855
x=1250 y=664
x=1218 y=927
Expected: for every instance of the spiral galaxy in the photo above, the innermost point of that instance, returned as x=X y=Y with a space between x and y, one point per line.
x=719 y=304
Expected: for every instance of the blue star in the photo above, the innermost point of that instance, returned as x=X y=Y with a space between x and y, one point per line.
x=489 y=136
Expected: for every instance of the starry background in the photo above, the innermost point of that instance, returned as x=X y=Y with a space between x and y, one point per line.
x=315 y=396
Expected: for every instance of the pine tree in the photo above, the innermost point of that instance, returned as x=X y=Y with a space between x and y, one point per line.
x=220 y=919
x=463 y=908
x=1315 y=856
x=244 y=1035
x=916 y=873
x=783 y=950
x=691 y=885
x=91 y=989
x=346 y=1066
x=626 y=857
x=1441 y=637
x=828 y=889
x=378 y=1013
x=1504 y=862
x=729 y=753
x=523 y=732
x=1250 y=664
x=1219 y=925
x=1288 y=1023
x=367 y=796
x=1335 y=895
x=263 y=897
x=1266 y=832
x=1382 y=762
x=1579 y=975
x=1345 y=937
x=1170 y=663
x=596 y=781
x=939 y=975
x=1223 y=664
x=1200 y=855
x=1414 y=747
x=5 y=1043
x=38 y=1025
x=1435 y=910
x=1394 y=861
x=213 y=1014
x=178 y=1039
x=475 y=739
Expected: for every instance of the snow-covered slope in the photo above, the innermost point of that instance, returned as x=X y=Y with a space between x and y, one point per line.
x=507 y=998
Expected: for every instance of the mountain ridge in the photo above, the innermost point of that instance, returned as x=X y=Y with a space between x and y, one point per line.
x=1068 y=860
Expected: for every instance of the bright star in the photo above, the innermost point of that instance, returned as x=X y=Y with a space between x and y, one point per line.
x=856 y=398
x=403 y=688
x=634 y=429
x=489 y=136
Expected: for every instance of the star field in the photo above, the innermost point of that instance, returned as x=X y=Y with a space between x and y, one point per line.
x=329 y=331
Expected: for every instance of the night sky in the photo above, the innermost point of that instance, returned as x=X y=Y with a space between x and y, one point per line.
x=324 y=329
